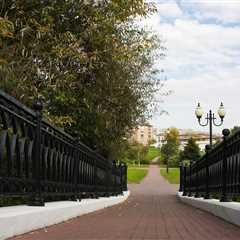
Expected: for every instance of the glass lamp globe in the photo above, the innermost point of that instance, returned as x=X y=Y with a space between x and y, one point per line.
x=199 y=111
x=221 y=111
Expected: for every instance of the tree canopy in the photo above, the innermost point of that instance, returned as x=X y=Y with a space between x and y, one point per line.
x=191 y=151
x=170 y=149
x=90 y=62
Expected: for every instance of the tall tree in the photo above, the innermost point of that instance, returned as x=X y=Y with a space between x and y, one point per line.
x=89 y=60
x=191 y=151
x=170 y=150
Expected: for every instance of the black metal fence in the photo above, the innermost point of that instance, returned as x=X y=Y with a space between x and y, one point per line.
x=217 y=173
x=39 y=161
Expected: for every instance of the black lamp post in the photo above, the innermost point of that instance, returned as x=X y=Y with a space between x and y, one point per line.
x=211 y=119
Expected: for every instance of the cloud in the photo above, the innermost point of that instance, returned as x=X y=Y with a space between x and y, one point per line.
x=169 y=10
x=225 y=11
x=208 y=89
x=202 y=64
x=192 y=45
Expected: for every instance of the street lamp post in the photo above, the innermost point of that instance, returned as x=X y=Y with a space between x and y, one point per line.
x=211 y=119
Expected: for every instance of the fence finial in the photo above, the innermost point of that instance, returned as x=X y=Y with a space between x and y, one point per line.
x=38 y=105
x=226 y=132
x=207 y=148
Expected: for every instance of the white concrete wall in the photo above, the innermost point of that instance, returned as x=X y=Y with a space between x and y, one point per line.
x=21 y=219
x=229 y=211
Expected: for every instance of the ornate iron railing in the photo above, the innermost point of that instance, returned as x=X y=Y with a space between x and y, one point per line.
x=41 y=162
x=217 y=173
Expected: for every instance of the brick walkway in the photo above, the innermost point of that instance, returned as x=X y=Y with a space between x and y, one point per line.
x=152 y=212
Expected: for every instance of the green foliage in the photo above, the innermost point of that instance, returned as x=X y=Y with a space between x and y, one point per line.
x=135 y=154
x=12 y=201
x=191 y=151
x=152 y=153
x=138 y=154
x=170 y=150
x=173 y=176
x=137 y=166
x=235 y=129
x=217 y=142
x=90 y=62
x=136 y=175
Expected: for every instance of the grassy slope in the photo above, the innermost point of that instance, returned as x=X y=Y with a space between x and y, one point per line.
x=172 y=176
x=136 y=175
x=152 y=153
x=137 y=166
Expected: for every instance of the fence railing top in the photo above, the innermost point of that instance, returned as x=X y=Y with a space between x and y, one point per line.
x=231 y=139
x=16 y=103
x=50 y=127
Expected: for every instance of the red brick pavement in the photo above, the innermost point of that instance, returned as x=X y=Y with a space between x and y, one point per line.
x=151 y=212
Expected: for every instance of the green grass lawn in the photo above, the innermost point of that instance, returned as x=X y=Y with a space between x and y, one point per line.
x=173 y=175
x=137 y=166
x=136 y=175
x=152 y=153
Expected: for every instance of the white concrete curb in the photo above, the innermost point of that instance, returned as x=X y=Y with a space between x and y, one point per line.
x=21 y=219
x=229 y=211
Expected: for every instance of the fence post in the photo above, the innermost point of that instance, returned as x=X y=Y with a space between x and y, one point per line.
x=95 y=182
x=181 y=177
x=184 y=180
x=125 y=188
x=122 y=176
x=120 y=186
x=109 y=179
x=75 y=197
x=224 y=197
x=37 y=199
x=207 y=150
x=190 y=180
x=197 y=195
x=114 y=176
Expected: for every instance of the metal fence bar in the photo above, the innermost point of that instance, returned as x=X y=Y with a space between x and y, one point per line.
x=207 y=195
x=40 y=162
x=37 y=198
x=224 y=196
x=217 y=173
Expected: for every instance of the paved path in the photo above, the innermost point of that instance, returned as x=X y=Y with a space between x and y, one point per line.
x=152 y=212
x=155 y=160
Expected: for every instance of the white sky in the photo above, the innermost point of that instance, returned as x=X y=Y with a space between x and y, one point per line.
x=203 y=59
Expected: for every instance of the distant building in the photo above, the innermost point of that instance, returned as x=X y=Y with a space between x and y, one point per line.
x=146 y=133
x=143 y=134
x=202 y=138
x=159 y=137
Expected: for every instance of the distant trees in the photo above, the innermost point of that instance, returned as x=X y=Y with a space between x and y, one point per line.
x=135 y=153
x=89 y=61
x=171 y=153
x=235 y=129
x=170 y=150
x=191 y=151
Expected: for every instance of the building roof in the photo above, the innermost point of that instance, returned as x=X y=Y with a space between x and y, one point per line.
x=188 y=133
